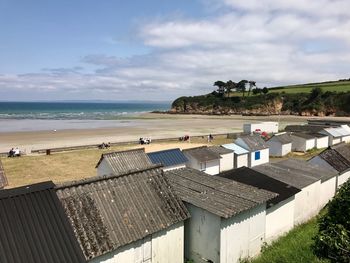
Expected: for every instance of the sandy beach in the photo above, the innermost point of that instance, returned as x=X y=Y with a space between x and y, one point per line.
x=156 y=126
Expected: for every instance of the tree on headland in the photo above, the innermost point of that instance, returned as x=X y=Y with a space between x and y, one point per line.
x=251 y=85
x=230 y=85
x=241 y=86
x=265 y=90
x=221 y=87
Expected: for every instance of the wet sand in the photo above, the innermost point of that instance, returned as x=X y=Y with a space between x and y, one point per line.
x=156 y=126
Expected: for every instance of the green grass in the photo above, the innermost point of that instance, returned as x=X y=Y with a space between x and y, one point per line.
x=295 y=247
x=333 y=86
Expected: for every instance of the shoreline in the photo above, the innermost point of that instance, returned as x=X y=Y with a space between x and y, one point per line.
x=156 y=126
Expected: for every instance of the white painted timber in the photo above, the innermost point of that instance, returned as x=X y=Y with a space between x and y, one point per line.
x=241 y=160
x=242 y=235
x=269 y=127
x=264 y=157
x=279 y=219
x=327 y=191
x=210 y=167
x=307 y=203
x=342 y=178
x=301 y=144
x=226 y=162
x=104 y=168
x=166 y=246
x=279 y=149
x=322 y=142
x=202 y=235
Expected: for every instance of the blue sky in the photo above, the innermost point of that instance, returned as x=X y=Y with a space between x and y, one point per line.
x=160 y=49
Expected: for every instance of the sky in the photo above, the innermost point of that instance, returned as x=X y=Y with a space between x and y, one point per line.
x=163 y=49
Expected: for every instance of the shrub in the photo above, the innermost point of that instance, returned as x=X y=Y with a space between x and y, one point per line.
x=333 y=238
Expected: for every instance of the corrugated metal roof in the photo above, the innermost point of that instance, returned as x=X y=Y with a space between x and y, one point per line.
x=308 y=169
x=108 y=212
x=291 y=176
x=220 y=150
x=3 y=179
x=235 y=148
x=334 y=132
x=202 y=154
x=284 y=138
x=127 y=161
x=343 y=149
x=168 y=158
x=34 y=227
x=254 y=142
x=335 y=159
x=220 y=196
x=304 y=128
x=248 y=176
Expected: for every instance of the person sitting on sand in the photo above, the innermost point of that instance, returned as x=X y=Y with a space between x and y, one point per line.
x=11 y=153
x=17 y=152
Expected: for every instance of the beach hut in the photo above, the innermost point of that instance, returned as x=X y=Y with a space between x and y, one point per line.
x=302 y=142
x=301 y=175
x=203 y=159
x=170 y=159
x=268 y=127
x=240 y=155
x=34 y=227
x=227 y=218
x=128 y=218
x=321 y=140
x=335 y=157
x=227 y=158
x=123 y=162
x=280 y=144
x=334 y=135
x=257 y=147
x=280 y=210
x=3 y=179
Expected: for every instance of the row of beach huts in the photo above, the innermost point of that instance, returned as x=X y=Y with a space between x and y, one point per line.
x=207 y=204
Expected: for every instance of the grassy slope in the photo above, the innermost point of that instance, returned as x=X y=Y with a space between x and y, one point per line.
x=337 y=86
x=295 y=247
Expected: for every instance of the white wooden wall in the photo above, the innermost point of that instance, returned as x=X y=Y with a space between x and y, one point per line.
x=166 y=246
x=307 y=203
x=345 y=139
x=241 y=160
x=322 y=142
x=104 y=168
x=343 y=178
x=278 y=149
x=327 y=191
x=264 y=157
x=202 y=235
x=279 y=219
x=212 y=167
x=242 y=235
x=226 y=162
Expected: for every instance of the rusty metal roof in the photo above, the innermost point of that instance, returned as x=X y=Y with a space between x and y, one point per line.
x=34 y=227
x=108 y=212
x=3 y=179
x=127 y=161
x=220 y=196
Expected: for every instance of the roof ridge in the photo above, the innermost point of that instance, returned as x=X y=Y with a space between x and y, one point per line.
x=129 y=150
x=166 y=150
x=104 y=177
x=26 y=189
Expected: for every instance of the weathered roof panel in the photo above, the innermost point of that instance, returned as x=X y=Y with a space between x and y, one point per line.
x=306 y=136
x=127 y=161
x=168 y=158
x=284 y=138
x=220 y=196
x=34 y=227
x=335 y=159
x=254 y=142
x=248 y=176
x=202 y=154
x=220 y=149
x=343 y=149
x=111 y=211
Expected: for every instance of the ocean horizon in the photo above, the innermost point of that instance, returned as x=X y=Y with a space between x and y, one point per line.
x=70 y=110
x=40 y=116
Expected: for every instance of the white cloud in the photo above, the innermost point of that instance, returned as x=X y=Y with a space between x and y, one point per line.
x=272 y=42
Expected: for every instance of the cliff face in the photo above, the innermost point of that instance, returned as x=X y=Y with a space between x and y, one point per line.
x=270 y=104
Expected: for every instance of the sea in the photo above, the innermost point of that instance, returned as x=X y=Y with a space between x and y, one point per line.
x=31 y=116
